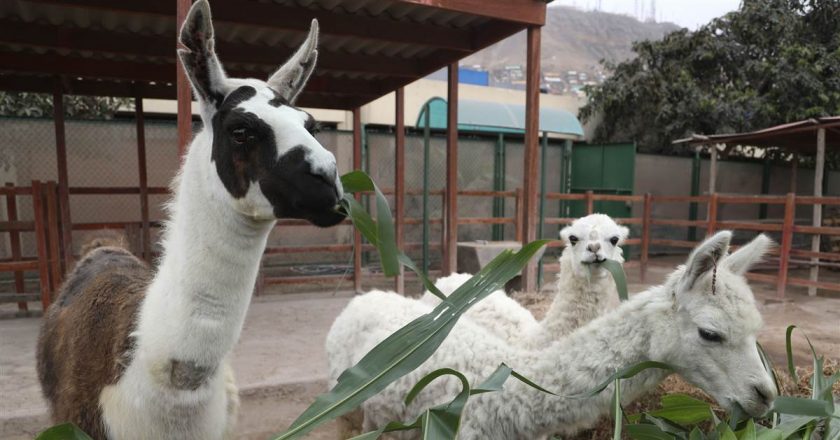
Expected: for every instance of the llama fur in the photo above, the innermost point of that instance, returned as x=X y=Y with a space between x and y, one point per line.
x=660 y=324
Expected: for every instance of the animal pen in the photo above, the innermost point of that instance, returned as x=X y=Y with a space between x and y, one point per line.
x=369 y=48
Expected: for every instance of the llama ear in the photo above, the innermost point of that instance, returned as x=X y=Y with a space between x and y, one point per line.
x=748 y=255
x=199 y=58
x=624 y=232
x=705 y=257
x=291 y=77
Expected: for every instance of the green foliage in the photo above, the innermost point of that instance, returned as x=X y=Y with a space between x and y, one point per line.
x=64 y=431
x=771 y=62
x=40 y=105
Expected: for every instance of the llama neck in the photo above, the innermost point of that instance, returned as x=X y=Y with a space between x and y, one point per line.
x=196 y=304
x=578 y=300
x=577 y=363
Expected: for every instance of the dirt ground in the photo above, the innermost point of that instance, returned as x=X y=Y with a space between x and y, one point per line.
x=281 y=366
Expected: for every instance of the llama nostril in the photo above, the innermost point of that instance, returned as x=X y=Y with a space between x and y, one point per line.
x=762 y=395
x=593 y=247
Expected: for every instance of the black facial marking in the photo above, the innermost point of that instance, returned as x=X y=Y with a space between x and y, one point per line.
x=187 y=375
x=236 y=163
x=573 y=240
x=278 y=100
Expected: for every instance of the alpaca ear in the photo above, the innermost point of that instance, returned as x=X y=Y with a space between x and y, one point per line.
x=199 y=58
x=704 y=258
x=748 y=255
x=624 y=232
x=292 y=76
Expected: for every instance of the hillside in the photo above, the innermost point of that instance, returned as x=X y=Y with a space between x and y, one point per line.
x=573 y=39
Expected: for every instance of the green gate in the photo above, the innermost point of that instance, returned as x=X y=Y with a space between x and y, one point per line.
x=603 y=169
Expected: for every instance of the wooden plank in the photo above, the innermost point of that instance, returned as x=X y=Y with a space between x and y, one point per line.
x=41 y=244
x=712 y=214
x=618 y=198
x=481 y=193
x=20 y=298
x=831 y=256
x=531 y=166
x=304 y=279
x=739 y=199
x=559 y=220
x=16 y=226
x=824 y=230
x=143 y=179
x=673 y=243
x=564 y=196
x=63 y=178
x=275 y=250
x=14 y=245
x=529 y=12
x=18 y=266
x=787 y=244
x=680 y=199
x=15 y=190
x=815 y=284
x=807 y=200
x=485 y=221
x=590 y=202
x=399 y=180
x=646 y=216
x=357 y=165
x=676 y=222
x=450 y=228
x=748 y=226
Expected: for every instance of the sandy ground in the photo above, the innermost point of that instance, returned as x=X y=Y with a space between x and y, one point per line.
x=281 y=366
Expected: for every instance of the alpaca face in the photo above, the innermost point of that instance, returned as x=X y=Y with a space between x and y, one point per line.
x=715 y=347
x=264 y=158
x=592 y=239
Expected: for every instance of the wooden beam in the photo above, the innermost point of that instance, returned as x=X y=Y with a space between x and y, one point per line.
x=786 y=244
x=817 y=215
x=713 y=154
x=182 y=85
x=123 y=43
x=399 y=179
x=14 y=244
x=532 y=119
x=283 y=18
x=143 y=179
x=450 y=249
x=794 y=167
x=531 y=12
x=63 y=178
x=357 y=165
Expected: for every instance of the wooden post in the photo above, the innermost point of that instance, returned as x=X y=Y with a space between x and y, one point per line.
x=590 y=202
x=450 y=222
x=794 y=167
x=817 y=216
x=357 y=165
x=712 y=214
x=787 y=244
x=646 y=217
x=41 y=244
x=399 y=180
x=52 y=235
x=182 y=86
x=144 y=184
x=519 y=210
x=532 y=120
x=63 y=179
x=14 y=244
x=713 y=153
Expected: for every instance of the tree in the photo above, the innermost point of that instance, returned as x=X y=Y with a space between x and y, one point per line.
x=37 y=105
x=770 y=62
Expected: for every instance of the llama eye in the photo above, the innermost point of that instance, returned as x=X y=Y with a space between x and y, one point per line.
x=709 y=335
x=240 y=135
x=614 y=241
x=573 y=240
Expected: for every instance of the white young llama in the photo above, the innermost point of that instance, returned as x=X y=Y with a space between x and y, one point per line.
x=703 y=321
x=583 y=289
x=130 y=353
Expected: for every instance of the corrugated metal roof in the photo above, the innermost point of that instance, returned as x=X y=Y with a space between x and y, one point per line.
x=795 y=136
x=496 y=117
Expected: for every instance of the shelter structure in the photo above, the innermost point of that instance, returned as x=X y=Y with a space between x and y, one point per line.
x=808 y=137
x=368 y=48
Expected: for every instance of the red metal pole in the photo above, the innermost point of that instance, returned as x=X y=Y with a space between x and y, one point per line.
x=399 y=180
x=182 y=86
x=357 y=165
x=63 y=179
x=530 y=177
x=14 y=243
x=144 y=184
x=787 y=244
x=450 y=223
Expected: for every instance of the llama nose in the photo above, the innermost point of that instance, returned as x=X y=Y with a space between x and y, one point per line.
x=593 y=247
x=765 y=394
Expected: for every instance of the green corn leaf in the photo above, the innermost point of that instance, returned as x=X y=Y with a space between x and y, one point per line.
x=696 y=434
x=357 y=181
x=616 y=410
x=791 y=425
x=802 y=407
x=683 y=409
x=410 y=346
x=648 y=432
x=624 y=373
x=725 y=432
x=64 y=431
x=617 y=270
x=789 y=350
x=666 y=425
x=768 y=434
x=749 y=431
x=768 y=366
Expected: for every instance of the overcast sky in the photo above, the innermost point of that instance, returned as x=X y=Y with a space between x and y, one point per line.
x=687 y=13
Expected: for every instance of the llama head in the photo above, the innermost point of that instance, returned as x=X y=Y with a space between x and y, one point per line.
x=591 y=240
x=716 y=320
x=264 y=157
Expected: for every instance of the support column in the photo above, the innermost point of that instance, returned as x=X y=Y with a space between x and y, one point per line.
x=63 y=177
x=532 y=108
x=794 y=167
x=713 y=153
x=143 y=178
x=399 y=180
x=450 y=224
x=357 y=165
x=182 y=87
x=817 y=220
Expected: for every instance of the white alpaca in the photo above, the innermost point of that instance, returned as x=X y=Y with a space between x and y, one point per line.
x=702 y=321
x=583 y=288
x=130 y=353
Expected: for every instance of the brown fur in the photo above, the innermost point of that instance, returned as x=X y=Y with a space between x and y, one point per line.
x=85 y=341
